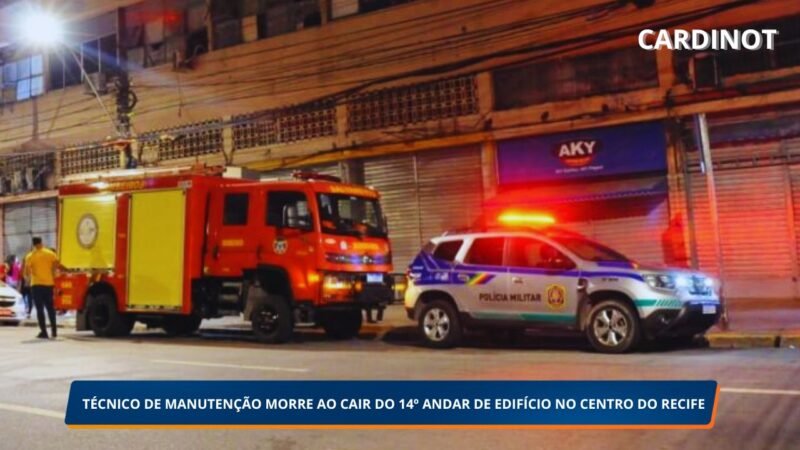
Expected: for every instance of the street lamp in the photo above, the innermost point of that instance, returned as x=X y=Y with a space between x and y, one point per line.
x=41 y=28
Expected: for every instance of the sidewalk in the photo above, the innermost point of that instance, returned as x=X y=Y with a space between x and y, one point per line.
x=759 y=323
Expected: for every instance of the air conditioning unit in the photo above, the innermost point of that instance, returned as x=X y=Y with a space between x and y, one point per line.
x=704 y=72
x=100 y=82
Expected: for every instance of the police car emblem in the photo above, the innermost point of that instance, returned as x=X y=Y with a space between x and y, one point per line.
x=556 y=296
x=280 y=245
x=87 y=231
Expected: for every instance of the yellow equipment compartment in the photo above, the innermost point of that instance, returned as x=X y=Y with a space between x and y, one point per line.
x=87 y=232
x=155 y=250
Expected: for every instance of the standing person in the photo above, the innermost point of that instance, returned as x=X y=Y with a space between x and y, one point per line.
x=25 y=284
x=41 y=265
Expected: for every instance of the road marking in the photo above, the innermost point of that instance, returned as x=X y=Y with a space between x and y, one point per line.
x=230 y=366
x=31 y=410
x=760 y=391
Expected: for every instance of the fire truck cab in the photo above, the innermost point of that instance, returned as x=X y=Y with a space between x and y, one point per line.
x=172 y=249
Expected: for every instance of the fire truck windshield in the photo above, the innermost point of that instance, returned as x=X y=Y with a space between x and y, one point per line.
x=589 y=250
x=351 y=215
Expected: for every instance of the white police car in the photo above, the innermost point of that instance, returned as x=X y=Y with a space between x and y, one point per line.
x=548 y=277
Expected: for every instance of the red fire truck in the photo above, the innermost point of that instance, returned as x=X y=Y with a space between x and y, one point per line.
x=169 y=249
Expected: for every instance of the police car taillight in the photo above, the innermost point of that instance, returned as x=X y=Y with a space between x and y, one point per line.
x=518 y=218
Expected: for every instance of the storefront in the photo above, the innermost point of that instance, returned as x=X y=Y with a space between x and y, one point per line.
x=756 y=158
x=23 y=220
x=425 y=194
x=606 y=183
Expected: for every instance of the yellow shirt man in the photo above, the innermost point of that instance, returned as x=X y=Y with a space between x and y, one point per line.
x=40 y=264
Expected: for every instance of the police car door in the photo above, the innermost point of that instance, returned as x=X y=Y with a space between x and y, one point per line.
x=543 y=282
x=481 y=281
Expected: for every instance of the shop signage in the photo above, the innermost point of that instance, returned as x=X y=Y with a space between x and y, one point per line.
x=600 y=152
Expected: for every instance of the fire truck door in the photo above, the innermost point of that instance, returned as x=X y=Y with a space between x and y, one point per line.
x=288 y=223
x=156 y=249
x=233 y=241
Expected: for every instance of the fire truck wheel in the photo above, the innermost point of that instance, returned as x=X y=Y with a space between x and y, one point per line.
x=342 y=324
x=272 y=320
x=104 y=318
x=181 y=325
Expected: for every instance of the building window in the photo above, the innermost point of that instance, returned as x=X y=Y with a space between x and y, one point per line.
x=375 y=5
x=608 y=72
x=733 y=62
x=162 y=31
x=283 y=16
x=22 y=79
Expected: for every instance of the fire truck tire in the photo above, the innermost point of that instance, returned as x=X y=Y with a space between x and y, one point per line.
x=105 y=320
x=181 y=325
x=342 y=324
x=272 y=320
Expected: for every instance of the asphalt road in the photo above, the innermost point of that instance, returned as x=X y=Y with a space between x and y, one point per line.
x=36 y=375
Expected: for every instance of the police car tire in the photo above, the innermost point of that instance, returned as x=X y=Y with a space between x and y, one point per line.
x=181 y=325
x=453 y=336
x=342 y=324
x=631 y=338
x=105 y=320
x=281 y=330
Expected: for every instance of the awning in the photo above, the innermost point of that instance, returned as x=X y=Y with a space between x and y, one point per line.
x=589 y=192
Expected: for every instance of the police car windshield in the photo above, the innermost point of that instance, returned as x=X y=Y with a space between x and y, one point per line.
x=589 y=250
x=350 y=215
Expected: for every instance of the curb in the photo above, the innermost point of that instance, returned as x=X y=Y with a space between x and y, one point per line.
x=743 y=340
x=791 y=340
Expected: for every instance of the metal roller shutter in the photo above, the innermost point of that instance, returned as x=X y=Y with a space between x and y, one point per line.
x=426 y=194
x=450 y=189
x=754 y=230
x=394 y=178
x=637 y=237
x=22 y=221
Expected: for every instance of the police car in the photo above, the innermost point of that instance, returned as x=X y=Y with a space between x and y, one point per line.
x=542 y=276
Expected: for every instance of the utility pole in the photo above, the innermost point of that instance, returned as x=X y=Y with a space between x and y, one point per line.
x=701 y=126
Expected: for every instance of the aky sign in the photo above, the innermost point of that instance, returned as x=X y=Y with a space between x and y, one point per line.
x=599 y=152
x=577 y=153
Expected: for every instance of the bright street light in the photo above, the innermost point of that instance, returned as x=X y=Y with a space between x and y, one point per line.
x=41 y=28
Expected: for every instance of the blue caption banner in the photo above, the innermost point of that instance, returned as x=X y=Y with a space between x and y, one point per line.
x=392 y=403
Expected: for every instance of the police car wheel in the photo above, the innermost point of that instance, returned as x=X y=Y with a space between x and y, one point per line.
x=439 y=324
x=613 y=327
x=271 y=320
x=105 y=320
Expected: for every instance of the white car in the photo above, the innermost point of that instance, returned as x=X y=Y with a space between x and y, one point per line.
x=12 y=305
x=548 y=277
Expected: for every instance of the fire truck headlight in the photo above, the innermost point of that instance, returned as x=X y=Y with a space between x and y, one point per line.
x=337 y=287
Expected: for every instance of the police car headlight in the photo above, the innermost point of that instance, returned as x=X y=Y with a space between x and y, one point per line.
x=683 y=282
x=660 y=281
